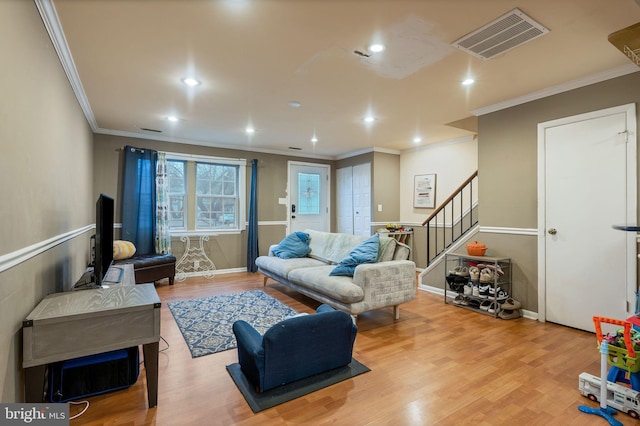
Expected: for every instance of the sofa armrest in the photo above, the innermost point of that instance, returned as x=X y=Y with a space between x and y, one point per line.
x=250 y=350
x=247 y=336
x=386 y=283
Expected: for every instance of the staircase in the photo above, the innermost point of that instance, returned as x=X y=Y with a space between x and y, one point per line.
x=453 y=219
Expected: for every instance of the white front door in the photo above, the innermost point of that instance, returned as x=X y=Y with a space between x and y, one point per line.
x=587 y=183
x=308 y=197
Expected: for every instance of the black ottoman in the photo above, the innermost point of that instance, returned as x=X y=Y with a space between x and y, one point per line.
x=152 y=267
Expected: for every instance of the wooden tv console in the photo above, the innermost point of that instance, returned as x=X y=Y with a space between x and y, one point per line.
x=79 y=323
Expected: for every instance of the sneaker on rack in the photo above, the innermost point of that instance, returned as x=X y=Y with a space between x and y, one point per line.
x=458 y=300
x=509 y=314
x=492 y=267
x=511 y=304
x=468 y=289
x=476 y=291
x=486 y=276
x=461 y=271
x=483 y=291
x=502 y=296
x=474 y=273
x=473 y=303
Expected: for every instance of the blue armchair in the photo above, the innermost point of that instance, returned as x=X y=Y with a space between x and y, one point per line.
x=295 y=348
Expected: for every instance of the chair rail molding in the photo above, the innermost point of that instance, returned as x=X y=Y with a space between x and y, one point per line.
x=12 y=259
x=513 y=231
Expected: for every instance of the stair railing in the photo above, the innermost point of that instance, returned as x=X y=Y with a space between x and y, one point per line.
x=461 y=208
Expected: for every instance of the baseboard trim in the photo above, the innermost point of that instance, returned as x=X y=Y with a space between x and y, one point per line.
x=212 y=273
x=10 y=260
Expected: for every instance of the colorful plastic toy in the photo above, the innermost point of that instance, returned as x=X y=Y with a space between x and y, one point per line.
x=623 y=361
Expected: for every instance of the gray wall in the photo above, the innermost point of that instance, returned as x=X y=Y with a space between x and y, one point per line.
x=385 y=187
x=226 y=251
x=46 y=183
x=507 y=167
x=229 y=251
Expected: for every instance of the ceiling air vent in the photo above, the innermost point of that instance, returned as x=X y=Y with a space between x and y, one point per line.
x=503 y=34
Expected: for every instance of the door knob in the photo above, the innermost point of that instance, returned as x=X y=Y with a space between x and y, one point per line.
x=552 y=231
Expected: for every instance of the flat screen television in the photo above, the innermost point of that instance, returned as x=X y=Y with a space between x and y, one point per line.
x=104 y=238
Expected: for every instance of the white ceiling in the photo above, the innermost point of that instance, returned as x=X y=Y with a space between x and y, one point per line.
x=126 y=58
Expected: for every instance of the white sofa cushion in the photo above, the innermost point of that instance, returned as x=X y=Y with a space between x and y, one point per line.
x=282 y=267
x=317 y=279
x=331 y=247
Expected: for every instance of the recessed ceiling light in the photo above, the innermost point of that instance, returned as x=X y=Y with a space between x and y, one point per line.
x=250 y=130
x=190 y=81
x=376 y=48
x=314 y=139
x=369 y=119
x=172 y=118
x=417 y=139
x=468 y=82
x=295 y=104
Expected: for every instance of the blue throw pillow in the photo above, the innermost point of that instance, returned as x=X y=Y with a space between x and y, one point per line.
x=294 y=245
x=365 y=252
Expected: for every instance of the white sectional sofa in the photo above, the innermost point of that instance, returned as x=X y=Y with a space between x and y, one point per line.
x=390 y=281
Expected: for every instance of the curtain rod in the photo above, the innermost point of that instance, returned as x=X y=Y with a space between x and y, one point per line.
x=202 y=157
x=180 y=155
x=133 y=148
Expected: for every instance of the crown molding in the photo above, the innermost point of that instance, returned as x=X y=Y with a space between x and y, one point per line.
x=368 y=150
x=560 y=88
x=463 y=139
x=51 y=22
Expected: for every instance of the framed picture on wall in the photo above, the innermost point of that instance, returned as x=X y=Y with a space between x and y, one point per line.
x=424 y=191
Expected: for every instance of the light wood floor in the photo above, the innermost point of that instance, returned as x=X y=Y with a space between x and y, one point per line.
x=437 y=365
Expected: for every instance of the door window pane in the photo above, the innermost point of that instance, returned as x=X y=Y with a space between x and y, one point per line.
x=308 y=193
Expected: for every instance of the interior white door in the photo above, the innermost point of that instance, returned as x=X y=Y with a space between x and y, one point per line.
x=362 y=199
x=588 y=267
x=344 y=200
x=309 y=197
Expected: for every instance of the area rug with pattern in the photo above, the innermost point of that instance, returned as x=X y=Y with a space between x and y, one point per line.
x=206 y=323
